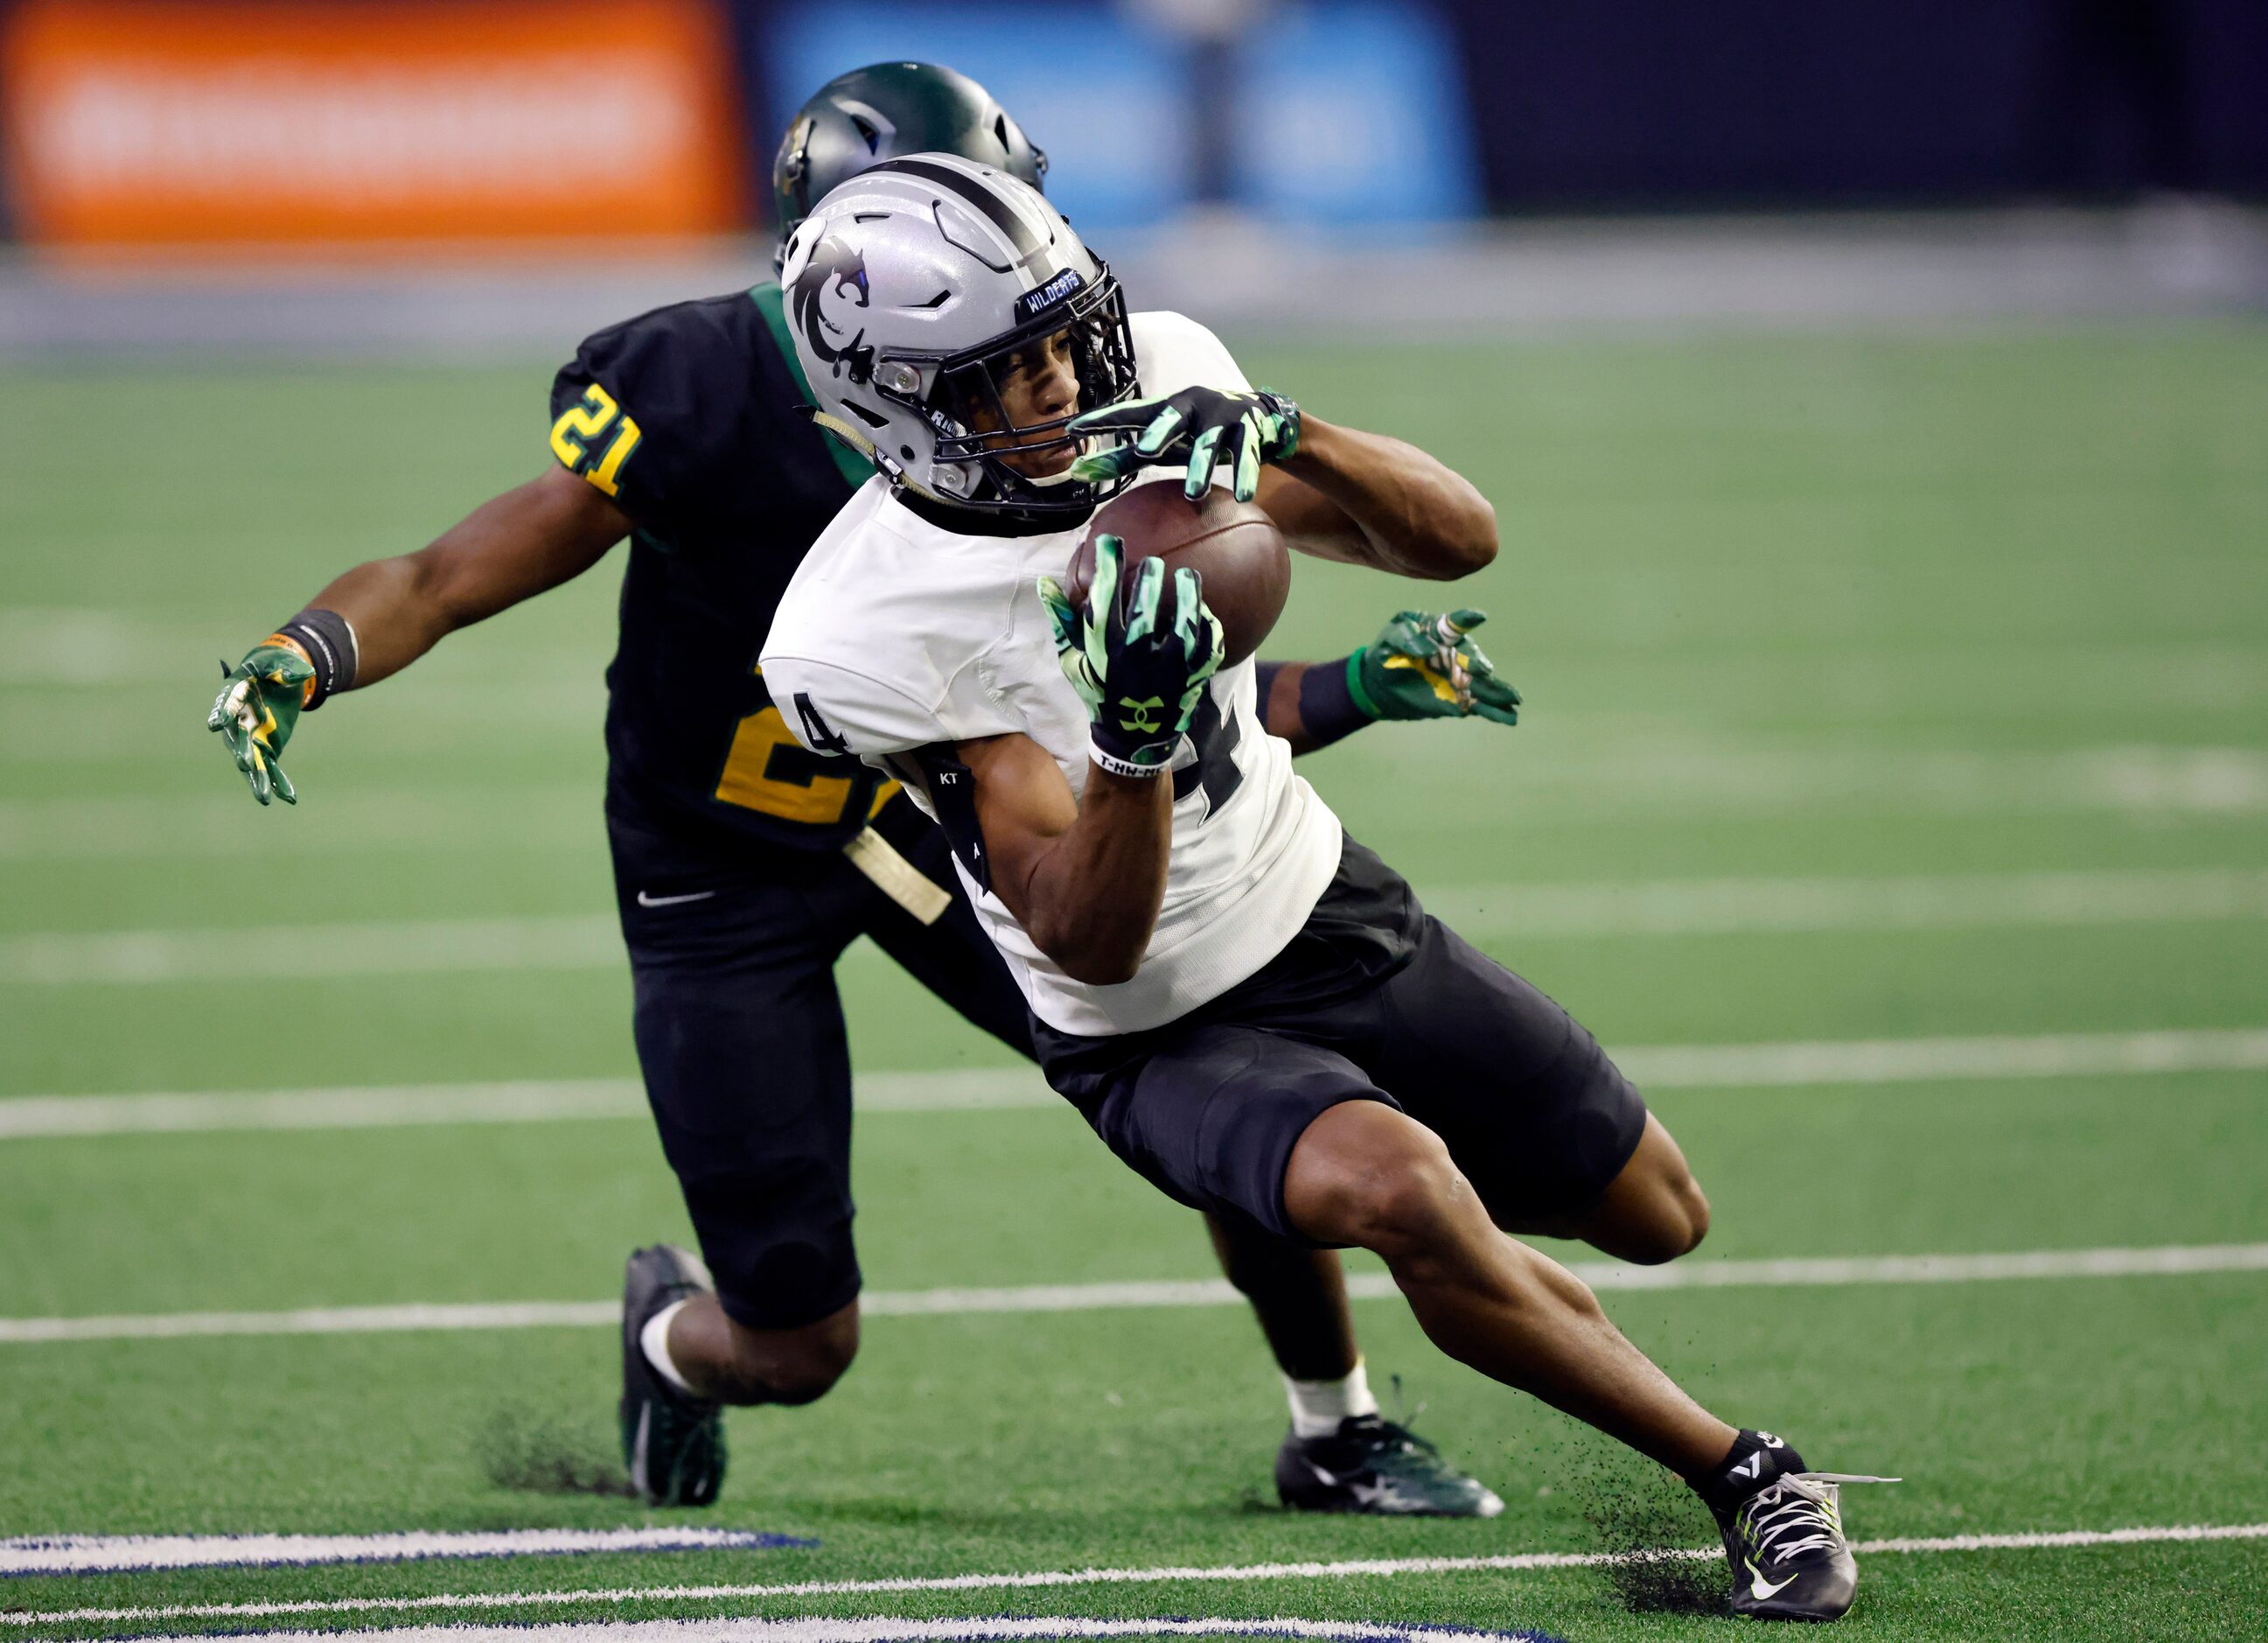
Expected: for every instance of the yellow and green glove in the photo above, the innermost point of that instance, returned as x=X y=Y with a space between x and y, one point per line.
x=1423 y=665
x=256 y=711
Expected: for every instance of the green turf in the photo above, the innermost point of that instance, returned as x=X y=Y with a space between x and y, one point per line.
x=1825 y=605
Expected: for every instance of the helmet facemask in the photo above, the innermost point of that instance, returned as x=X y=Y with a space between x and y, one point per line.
x=964 y=403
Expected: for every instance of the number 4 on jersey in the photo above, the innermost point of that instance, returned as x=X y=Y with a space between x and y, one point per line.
x=817 y=734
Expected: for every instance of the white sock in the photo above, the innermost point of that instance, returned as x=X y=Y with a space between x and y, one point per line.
x=1318 y=1406
x=653 y=1340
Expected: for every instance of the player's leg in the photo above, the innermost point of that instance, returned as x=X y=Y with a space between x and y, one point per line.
x=1513 y=1117
x=741 y=1038
x=1557 y=1141
x=1337 y=1445
x=1274 y=1125
x=1340 y=1454
x=1366 y=1174
x=1296 y=1139
x=1652 y=1210
x=1299 y=1296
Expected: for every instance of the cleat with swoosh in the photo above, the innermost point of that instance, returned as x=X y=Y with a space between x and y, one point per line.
x=1379 y=1468
x=673 y=1445
x=1785 y=1540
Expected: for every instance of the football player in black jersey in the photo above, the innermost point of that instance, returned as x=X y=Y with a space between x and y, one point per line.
x=744 y=864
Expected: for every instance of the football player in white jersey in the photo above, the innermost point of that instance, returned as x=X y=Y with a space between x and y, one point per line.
x=1250 y=1008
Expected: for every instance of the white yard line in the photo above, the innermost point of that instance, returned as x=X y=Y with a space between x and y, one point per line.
x=975 y=1629
x=125 y=1554
x=1832 y=1272
x=1744 y=906
x=1854 y=1062
x=1237 y=1574
x=1765 y=906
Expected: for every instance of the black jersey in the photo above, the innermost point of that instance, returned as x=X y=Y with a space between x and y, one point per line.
x=687 y=418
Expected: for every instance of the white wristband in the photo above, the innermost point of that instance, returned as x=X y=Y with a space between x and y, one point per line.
x=1118 y=766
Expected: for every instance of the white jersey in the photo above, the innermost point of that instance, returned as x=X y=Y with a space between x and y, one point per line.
x=897 y=635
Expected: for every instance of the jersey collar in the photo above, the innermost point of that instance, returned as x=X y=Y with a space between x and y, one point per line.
x=985 y=521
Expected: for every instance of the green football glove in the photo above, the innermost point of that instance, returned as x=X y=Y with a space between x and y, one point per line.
x=1141 y=682
x=1199 y=426
x=1427 y=666
x=255 y=711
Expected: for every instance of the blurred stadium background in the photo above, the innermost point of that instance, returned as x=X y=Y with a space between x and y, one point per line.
x=506 y=174
x=1876 y=399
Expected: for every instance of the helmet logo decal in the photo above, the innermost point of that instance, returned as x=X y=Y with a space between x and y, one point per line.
x=833 y=269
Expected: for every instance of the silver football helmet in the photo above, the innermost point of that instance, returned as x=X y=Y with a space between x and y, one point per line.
x=910 y=288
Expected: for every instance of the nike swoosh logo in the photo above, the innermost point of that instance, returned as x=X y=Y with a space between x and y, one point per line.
x=638 y=1448
x=1756 y=1586
x=646 y=900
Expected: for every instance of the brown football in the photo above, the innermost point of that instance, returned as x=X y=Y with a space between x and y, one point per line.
x=1235 y=549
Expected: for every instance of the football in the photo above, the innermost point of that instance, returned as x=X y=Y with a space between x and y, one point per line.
x=1234 y=547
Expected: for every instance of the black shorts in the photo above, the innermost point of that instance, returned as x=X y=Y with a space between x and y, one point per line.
x=1375 y=999
x=740 y=1037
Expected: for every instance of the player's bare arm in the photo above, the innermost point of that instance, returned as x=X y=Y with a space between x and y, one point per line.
x=1373 y=501
x=1084 y=875
x=1370 y=499
x=1335 y=492
x=524 y=542
x=377 y=618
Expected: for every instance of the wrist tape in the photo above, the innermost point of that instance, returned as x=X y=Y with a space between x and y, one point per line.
x=330 y=642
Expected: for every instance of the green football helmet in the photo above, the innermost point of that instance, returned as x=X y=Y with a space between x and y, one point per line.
x=883 y=112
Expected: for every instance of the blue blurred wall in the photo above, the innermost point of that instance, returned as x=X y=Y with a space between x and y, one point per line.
x=1389 y=110
x=1346 y=110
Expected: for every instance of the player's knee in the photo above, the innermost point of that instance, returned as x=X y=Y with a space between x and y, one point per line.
x=1695 y=1203
x=1378 y=1179
x=1684 y=1219
x=791 y=1366
x=1676 y=1222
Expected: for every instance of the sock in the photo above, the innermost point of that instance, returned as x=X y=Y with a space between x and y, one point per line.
x=653 y=1340
x=1754 y=1459
x=1318 y=1406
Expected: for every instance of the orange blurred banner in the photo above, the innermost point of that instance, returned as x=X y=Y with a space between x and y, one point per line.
x=141 y=123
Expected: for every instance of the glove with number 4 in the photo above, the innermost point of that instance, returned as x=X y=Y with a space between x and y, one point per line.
x=1139 y=668
x=257 y=707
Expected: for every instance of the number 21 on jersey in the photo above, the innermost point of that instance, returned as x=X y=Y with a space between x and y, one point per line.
x=573 y=435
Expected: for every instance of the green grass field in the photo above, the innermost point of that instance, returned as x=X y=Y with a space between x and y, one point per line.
x=1883 y=692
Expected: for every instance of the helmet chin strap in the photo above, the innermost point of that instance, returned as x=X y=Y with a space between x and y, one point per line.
x=857 y=441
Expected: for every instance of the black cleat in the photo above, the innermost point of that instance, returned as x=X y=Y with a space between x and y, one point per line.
x=1374 y=1466
x=1784 y=1537
x=672 y=1444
